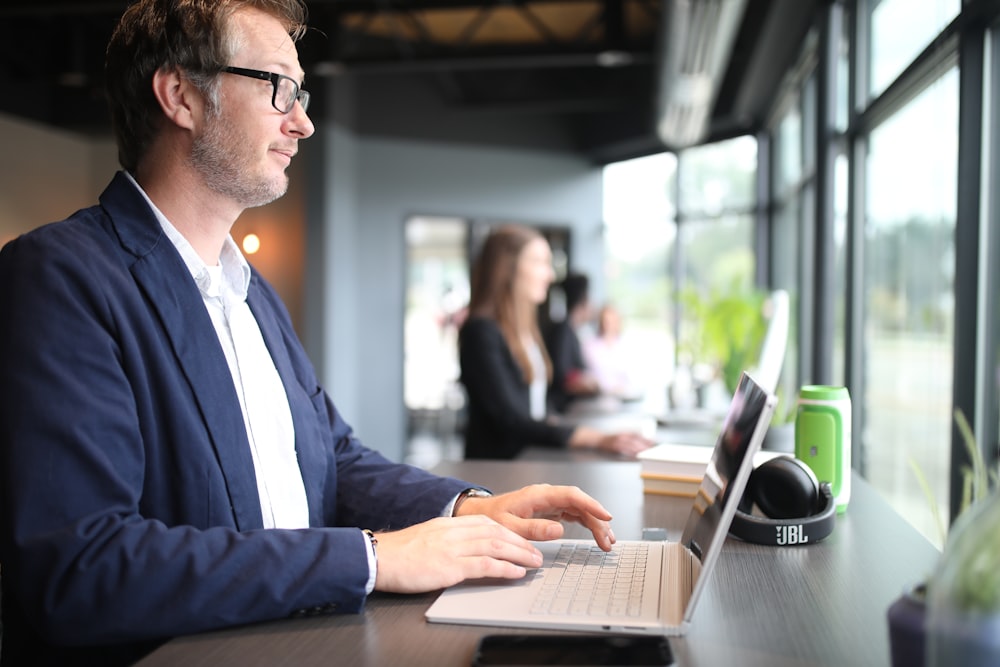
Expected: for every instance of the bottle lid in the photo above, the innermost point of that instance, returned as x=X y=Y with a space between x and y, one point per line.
x=822 y=392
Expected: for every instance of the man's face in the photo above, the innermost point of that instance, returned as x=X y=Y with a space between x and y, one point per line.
x=245 y=145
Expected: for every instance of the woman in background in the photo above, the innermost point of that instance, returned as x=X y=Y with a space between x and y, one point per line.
x=504 y=365
x=607 y=358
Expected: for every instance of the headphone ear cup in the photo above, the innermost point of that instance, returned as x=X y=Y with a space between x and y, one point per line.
x=784 y=488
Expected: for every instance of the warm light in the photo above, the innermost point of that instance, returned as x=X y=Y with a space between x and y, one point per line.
x=251 y=244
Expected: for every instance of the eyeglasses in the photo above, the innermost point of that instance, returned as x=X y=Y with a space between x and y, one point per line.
x=286 y=89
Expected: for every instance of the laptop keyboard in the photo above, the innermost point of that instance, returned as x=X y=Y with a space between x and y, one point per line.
x=585 y=581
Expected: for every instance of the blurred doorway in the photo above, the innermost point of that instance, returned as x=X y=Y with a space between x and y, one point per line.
x=437 y=292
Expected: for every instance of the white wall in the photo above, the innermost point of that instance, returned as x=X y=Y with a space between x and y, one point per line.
x=47 y=174
x=397 y=179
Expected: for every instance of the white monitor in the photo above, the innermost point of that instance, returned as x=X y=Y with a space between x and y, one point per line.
x=772 y=350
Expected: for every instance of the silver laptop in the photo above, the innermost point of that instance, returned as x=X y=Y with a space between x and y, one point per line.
x=640 y=587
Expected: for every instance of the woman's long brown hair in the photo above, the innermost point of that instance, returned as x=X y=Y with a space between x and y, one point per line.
x=493 y=295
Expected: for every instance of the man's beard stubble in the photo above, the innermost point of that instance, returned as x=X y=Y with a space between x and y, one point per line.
x=223 y=156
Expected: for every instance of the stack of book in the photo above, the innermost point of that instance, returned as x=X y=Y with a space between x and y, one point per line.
x=676 y=470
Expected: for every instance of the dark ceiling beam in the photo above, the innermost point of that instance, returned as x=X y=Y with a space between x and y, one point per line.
x=347 y=6
x=540 y=26
x=508 y=61
x=563 y=105
x=472 y=27
x=60 y=9
x=614 y=24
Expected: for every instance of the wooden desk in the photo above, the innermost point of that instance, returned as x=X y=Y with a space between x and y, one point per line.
x=823 y=604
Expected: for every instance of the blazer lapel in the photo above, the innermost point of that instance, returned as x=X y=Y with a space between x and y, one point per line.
x=172 y=293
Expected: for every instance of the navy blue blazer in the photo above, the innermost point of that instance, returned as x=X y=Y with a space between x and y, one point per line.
x=128 y=503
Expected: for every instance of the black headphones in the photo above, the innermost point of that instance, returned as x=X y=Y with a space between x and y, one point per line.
x=799 y=509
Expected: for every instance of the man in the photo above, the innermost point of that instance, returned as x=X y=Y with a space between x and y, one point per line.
x=168 y=461
x=571 y=378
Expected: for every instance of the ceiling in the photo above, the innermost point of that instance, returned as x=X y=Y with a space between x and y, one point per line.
x=592 y=66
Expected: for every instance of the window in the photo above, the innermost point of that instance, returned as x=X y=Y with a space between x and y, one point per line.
x=718 y=177
x=792 y=194
x=639 y=236
x=654 y=250
x=437 y=291
x=840 y=255
x=899 y=31
x=716 y=256
x=909 y=274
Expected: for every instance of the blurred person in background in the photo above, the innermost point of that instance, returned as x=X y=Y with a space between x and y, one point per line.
x=608 y=358
x=571 y=378
x=505 y=368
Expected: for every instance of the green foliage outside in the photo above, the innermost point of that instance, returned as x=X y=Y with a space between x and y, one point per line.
x=724 y=329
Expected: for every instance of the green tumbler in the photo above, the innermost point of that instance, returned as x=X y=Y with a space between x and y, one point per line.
x=823 y=437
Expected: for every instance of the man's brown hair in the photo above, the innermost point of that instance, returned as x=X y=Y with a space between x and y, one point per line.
x=188 y=35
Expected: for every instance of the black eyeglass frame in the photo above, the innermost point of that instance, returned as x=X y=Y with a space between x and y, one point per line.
x=301 y=95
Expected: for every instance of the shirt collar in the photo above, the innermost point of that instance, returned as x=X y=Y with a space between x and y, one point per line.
x=233 y=279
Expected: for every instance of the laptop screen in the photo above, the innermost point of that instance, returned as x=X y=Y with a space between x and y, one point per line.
x=726 y=475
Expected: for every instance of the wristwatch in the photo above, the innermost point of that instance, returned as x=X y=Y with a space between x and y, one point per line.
x=469 y=493
x=371 y=538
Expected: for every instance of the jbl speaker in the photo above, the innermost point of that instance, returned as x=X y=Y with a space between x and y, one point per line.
x=823 y=437
x=798 y=509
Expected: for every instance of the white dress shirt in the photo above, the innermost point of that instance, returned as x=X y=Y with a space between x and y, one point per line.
x=266 y=415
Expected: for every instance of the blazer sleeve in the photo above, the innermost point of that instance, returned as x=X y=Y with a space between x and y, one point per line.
x=497 y=389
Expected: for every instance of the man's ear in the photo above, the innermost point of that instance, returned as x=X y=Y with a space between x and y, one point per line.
x=181 y=101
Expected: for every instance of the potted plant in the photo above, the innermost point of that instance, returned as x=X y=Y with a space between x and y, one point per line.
x=722 y=330
x=945 y=619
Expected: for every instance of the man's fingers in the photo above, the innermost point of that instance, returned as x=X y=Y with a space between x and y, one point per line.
x=445 y=551
x=534 y=513
x=482 y=567
x=539 y=530
x=566 y=499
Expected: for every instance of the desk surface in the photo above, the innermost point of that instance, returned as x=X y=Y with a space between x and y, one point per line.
x=823 y=604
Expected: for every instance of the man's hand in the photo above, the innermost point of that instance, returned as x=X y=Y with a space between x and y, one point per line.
x=535 y=512
x=445 y=551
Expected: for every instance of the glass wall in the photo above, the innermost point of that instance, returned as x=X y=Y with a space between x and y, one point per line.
x=718 y=177
x=639 y=236
x=437 y=291
x=792 y=194
x=906 y=237
x=899 y=31
x=840 y=239
x=662 y=251
x=909 y=238
x=841 y=203
x=894 y=142
x=716 y=265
